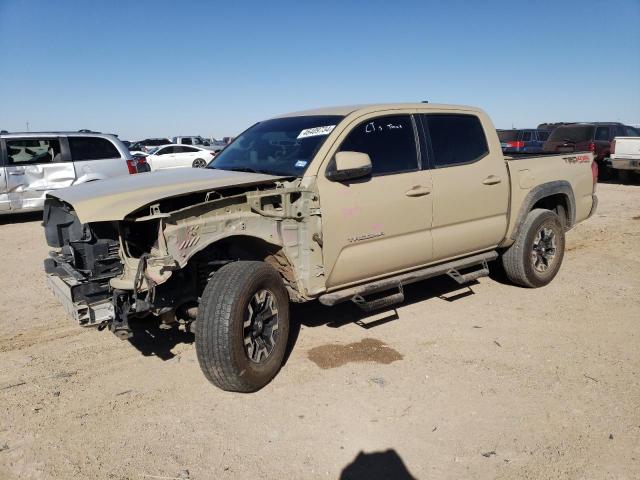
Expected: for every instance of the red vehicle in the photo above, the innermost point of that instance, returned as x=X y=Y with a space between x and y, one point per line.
x=593 y=137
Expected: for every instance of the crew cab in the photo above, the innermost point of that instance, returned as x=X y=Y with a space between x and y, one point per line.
x=336 y=204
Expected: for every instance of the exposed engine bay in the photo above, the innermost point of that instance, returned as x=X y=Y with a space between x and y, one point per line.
x=158 y=260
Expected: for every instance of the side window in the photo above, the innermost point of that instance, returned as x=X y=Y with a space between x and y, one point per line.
x=92 y=148
x=164 y=151
x=526 y=136
x=602 y=133
x=178 y=149
x=632 y=132
x=542 y=135
x=189 y=150
x=389 y=141
x=455 y=139
x=620 y=131
x=33 y=151
x=186 y=141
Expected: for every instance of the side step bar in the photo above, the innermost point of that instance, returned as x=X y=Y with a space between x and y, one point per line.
x=357 y=294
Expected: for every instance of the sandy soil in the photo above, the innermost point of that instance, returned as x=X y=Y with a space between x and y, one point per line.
x=491 y=381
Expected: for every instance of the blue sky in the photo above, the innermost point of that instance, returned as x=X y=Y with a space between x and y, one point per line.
x=159 y=68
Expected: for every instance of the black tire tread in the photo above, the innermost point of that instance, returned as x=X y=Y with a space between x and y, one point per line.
x=212 y=337
x=515 y=258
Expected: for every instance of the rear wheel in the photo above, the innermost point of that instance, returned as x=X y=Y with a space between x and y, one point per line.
x=199 y=163
x=242 y=327
x=535 y=257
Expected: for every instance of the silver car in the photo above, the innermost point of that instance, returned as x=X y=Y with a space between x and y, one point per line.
x=32 y=164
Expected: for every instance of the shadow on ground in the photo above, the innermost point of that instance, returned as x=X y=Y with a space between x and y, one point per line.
x=377 y=466
x=21 y=218
x=151 y=340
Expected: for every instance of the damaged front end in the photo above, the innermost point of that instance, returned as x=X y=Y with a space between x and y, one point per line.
x=159 y=258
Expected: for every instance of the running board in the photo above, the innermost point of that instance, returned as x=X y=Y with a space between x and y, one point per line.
x=483 y=271
x=359 y=292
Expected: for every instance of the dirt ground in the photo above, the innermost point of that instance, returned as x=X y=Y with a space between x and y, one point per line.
x=491 y=381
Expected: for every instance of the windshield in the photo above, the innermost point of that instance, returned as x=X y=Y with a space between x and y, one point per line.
x=507 y=135
x=572 y=133
x=281 y=146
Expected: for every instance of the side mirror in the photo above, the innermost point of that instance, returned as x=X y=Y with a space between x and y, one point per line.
x=349 y=166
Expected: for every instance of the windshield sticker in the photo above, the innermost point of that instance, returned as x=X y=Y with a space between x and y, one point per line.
x=301 y=163
x=316 y=131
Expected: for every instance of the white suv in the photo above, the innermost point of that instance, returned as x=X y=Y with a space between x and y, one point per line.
x=32 y=164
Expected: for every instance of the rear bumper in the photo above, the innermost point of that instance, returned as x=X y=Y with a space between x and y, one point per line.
x=625 y=164
x=85 y=313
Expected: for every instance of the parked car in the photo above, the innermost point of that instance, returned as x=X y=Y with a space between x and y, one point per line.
x=593 y=137
x=192 y=140
x=338 y=204
x=148 y=144
x=625 y=156
x=523 y=140
x=175 y=156
x=33 y=164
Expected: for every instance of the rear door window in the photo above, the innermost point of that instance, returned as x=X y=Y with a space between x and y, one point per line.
x=389 y=141
x=30 y=151
x=186 y=141
x=92 y=148
x=602 y=133
x=455 y=139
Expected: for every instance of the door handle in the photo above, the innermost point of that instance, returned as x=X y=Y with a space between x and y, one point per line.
x=418 y=191
x=16 y=173
x=492 y=180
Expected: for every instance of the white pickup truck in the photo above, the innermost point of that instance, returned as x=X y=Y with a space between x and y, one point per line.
x=625 y=156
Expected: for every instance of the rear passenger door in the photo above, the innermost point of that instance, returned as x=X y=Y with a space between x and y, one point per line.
x=96 y=158
x=34 y=166
x=470 y=185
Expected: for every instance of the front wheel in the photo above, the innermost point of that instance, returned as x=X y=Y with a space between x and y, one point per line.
x=242 y=326
x=535 y=257
x=199 y=163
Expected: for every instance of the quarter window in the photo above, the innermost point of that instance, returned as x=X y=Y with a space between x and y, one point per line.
x=455 y=139
x=32 y=151
x=92 y=148
x=389 y=141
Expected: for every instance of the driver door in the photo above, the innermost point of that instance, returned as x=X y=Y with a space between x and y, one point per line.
x=377 y=225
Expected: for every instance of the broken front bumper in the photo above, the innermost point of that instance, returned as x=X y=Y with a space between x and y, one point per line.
x=86 y=313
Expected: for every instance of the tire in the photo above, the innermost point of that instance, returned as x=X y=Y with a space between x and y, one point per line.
x=199 y=163
x=535 y=257
x=222 y=328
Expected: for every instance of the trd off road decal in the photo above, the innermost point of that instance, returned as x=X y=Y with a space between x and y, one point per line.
x=576 y=159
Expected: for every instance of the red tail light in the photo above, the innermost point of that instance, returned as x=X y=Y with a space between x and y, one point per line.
x=592 y=147
x=613 y=147
x=131 y=165
x=594 y=173
x=515 y=144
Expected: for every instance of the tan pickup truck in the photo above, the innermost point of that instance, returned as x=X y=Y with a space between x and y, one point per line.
x=337 y=204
